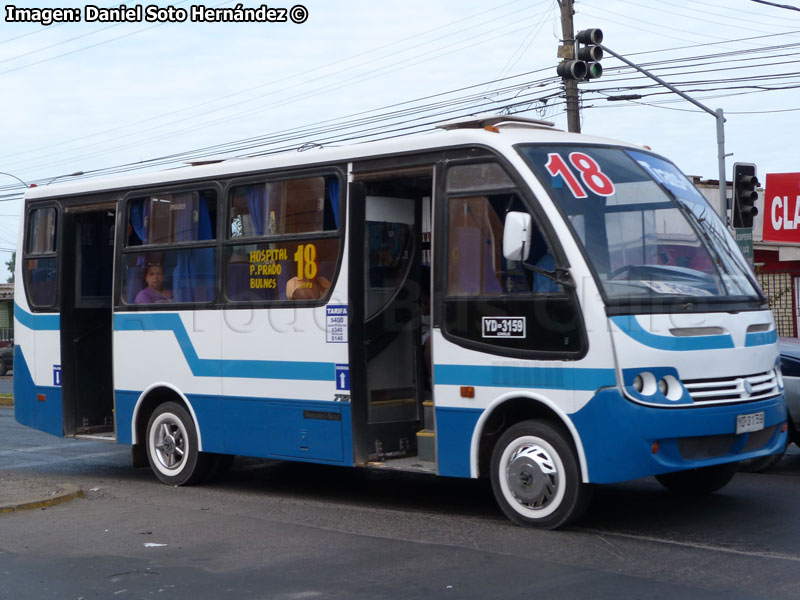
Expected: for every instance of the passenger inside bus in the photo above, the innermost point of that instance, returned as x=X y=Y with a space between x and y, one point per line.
x=307 y=289
x=154 y=291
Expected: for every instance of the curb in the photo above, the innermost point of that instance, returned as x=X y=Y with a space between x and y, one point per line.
x=65 y=493
x=6 y=401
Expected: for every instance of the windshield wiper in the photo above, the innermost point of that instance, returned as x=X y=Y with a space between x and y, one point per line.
x=700 y=225
x=715 y=239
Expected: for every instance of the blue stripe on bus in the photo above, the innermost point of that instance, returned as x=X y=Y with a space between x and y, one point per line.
x=45 y=322
x=554 y=378
x=279 y=428
x=631 y=327
x=209 y=367
x=454 y=428
x=761 y=339
x=37 y=406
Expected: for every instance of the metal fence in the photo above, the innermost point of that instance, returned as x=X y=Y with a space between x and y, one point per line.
x=779 y=288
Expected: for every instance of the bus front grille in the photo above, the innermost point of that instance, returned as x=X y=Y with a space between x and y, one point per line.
x=759 y=386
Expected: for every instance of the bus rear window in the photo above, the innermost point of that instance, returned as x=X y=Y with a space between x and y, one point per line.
x=40 y=267
x=42 y=231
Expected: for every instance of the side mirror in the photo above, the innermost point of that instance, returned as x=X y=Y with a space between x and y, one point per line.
x=517 y=236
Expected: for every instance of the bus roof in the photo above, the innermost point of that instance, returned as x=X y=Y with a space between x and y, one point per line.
x=493 y=131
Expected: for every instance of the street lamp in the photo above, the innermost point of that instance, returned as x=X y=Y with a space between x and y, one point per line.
x=15 y=177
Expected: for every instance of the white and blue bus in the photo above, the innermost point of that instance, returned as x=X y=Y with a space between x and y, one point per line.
x=497 y=298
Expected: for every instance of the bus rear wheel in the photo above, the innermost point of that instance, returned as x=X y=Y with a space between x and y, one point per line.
x=536 y=477
x=172 y=447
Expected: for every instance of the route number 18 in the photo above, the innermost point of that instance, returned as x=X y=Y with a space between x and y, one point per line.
x=591 y=175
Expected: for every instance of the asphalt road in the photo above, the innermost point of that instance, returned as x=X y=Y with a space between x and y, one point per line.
x=291 y=530
x=6 y=384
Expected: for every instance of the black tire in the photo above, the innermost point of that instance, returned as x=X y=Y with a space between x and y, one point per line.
x=699 y=482
x=172 y=448
x=3 y=367
x=794 y=435
x=218 y=465
x=536 y=476
x=762 y=463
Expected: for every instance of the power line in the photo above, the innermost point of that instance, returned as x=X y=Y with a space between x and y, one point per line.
x=370 y=54
x=108 y=41
x=738 y=10
x=526 y=94
x=786 y=6
x=694 y=13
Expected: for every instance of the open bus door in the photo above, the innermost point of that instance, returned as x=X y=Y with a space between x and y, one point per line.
x=87 y=320
x=387 y=290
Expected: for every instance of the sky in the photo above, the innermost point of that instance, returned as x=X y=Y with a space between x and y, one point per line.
x=106 y=97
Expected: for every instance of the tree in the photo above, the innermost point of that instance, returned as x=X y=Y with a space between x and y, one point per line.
x=10 y=266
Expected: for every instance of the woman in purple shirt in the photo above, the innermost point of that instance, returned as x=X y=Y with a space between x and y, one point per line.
x=154 y=293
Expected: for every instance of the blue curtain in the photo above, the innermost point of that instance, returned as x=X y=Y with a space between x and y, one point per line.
x=139 y=218
x=194 y=274
x=257 y=203
x=333 y=195
x=140 y=210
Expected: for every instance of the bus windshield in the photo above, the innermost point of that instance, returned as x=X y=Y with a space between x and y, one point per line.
x=649 y=235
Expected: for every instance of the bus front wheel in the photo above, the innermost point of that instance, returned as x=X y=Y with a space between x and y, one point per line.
x=536 y=477
x=698 y=482
x=172 y=447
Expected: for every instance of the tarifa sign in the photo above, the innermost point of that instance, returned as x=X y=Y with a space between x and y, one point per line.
x=782 y=208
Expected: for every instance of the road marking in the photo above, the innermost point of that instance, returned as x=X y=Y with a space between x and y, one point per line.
x=43 y=448
x=694 y=545
x=57 y=459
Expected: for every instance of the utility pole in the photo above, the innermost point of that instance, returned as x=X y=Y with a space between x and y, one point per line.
x=717 y=114
x=567 y=52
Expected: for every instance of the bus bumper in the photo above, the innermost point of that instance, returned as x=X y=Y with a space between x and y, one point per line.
x=623 y=440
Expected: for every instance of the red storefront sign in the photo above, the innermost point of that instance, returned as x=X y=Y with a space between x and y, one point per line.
x=782 y=208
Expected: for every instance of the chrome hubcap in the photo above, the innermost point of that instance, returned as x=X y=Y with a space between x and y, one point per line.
x=532 y=476
x=170 y=445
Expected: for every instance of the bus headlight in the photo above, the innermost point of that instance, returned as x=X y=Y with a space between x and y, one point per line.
x=645 y=383
x=655 y=385
x=671 y=388
x=779 y=374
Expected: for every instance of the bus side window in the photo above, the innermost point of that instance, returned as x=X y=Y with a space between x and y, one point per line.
x=171 y=272
x=41 y=264
x=476 y=265
x=263 y=263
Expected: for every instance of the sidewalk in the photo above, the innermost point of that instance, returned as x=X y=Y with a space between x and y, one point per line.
x=22 y=493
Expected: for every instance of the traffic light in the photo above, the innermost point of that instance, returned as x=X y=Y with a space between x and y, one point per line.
x=745 y=183
x=585 y=61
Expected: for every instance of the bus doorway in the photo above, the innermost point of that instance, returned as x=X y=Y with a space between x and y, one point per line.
x=389 y=291
x=86 y=321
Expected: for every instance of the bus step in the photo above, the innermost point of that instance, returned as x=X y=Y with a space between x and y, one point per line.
x=426 y=445
x=427 y=415
x=410 y=463
x=107 y=436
